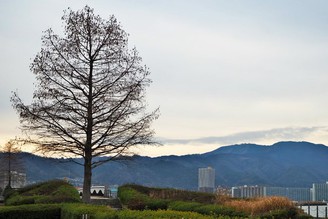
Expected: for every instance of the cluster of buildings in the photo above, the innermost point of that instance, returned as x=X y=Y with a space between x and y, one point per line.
x=18 y=179
x=318 y=192
x=206 y=183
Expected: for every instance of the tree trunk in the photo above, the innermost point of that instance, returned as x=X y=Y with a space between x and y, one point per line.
x=9 y=171
x=88 y=146
x=87 y=179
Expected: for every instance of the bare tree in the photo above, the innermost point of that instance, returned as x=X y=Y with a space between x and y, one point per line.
x=90 y=94
x=10 y=161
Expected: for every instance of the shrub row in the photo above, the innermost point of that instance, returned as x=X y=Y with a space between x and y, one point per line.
x=136 y=200
x=129 y=214
x=174 y=194
x=213 y=210
x=75 y=211
x=30 y=212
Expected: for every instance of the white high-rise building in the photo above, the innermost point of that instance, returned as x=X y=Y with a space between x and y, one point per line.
x=206 y=179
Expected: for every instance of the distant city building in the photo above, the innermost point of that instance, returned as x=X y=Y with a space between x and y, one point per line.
x=320 y=191
x=247 y=191
x=206 y=179
x=99 y=190
x=113 y=189
x=223 y=191
x=18 y=180
x=294 y=194
x=235 y=192
x=95 y=190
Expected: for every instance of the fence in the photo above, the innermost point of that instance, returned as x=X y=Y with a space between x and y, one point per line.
x=315 y=210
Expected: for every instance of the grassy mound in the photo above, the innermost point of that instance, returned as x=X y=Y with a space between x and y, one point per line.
x=55 y=191
x=135 y=197
x=172 y=194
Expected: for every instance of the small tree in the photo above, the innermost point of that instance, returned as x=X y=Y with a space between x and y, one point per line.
x=10 y=161
x=89 y=99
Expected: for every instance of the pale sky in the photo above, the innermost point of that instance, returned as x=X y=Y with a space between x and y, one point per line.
x=224 y=72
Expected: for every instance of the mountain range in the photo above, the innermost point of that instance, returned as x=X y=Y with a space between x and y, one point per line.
x=285 y=164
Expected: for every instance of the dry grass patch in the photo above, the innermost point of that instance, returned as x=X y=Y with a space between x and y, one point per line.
x=258 y=206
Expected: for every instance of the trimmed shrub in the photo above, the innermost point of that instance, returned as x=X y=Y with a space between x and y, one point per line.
x=173 y=194
x=128 y=214
x=155 y=204
x=132 y=199
x=280 y=214
x=30 y=212
x=217 y=210
x=184 y=206
x=135 y=200
x=214 y=210
x=64 y=193
x=20 y=200
x=303 y=216
x=76 y=210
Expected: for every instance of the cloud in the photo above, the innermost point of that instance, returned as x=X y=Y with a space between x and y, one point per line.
x=278 y=134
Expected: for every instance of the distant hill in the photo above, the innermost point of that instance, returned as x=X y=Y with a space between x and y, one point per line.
x=292 y=164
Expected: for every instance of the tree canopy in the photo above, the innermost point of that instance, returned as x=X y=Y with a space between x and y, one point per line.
x=89 y=99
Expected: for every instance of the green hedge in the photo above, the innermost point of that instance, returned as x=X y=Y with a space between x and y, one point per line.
x=135 y=200
x=132 y=198
x=184 y=206
x=129 y=214
x=75 y=211
x=173 y=194
x=214 y=210
x=30 y=212
x=285 y=213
